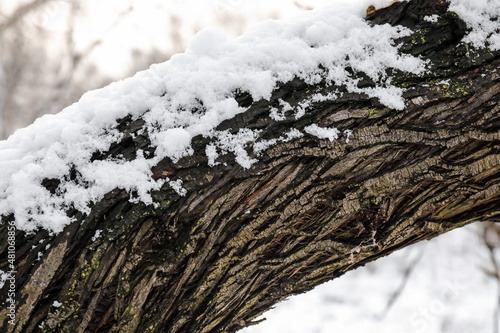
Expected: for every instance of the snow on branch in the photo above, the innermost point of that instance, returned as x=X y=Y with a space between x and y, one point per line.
x=191 y=94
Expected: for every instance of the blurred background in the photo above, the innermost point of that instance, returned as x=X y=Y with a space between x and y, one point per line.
x=52 y=51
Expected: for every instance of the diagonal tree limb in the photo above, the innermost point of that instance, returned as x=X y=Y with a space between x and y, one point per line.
x=308 y=211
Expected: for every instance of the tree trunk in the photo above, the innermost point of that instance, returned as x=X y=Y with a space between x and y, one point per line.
x=310 y=210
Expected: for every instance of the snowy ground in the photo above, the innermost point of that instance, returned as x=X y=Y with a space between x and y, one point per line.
x=447 y=292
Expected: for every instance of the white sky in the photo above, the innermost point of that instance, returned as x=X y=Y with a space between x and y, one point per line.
x=123 y=25
x=150 y=24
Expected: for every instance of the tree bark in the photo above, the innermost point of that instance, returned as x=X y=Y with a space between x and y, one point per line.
x=307 y=212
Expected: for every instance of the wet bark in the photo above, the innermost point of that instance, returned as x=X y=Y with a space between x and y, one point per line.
x=310 y=210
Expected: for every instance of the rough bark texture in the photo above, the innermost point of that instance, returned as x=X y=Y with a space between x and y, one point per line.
x=310 y=210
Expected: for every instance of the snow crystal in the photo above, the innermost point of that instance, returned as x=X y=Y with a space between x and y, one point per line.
x=263 y=145
x=280 y=115
x=431 y=18
x=211 y=152
x=191 y=94
x=3 y=278
x=301 y=109
x=174 y=142
x=234 y=143
x=482 y=16
x=292 y=134
x=298 y=111
x=348 y=134
x=96 y=235
x=444 y=82
x=322 y=132
x=328 y=97
x=177 y=186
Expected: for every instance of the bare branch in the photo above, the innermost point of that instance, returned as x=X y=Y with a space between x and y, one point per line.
x=21 y=12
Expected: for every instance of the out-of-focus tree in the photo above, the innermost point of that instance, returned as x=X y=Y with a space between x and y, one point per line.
x=41 y=71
